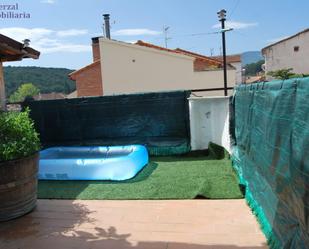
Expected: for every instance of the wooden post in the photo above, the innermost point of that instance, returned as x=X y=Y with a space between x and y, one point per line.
x=2 y=89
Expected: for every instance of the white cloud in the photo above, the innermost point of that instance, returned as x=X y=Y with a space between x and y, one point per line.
x=47 y=40
x=48 y=1
x=20 y=34
x=66 y=47
x=133 y=32
x=236 y=25
x=72 y=32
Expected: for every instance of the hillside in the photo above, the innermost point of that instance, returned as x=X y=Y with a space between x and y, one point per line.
x=46 y=79
x=251 y=57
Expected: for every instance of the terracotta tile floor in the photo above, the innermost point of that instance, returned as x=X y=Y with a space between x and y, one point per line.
x=179 y=224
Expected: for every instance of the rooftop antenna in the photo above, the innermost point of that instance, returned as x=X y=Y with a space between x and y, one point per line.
x=211 y=51
x=166 y=37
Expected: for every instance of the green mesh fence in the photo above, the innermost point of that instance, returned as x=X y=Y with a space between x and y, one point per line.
x=158 y=120
x=271 y=156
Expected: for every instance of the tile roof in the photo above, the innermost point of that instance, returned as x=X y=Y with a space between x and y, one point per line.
x=12 y=50
x=49 y=96
x=199 y=56
x=229 y=58
x=210 y=61
x=149 y=45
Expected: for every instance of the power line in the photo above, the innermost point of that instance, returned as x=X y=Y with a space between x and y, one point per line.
x=240 y=33
x=235 y=7
x=196 y=34
x=208 y=33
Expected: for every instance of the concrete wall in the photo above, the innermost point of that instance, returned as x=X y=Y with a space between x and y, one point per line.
x=130 y=68
x=209 y=122
x=282 y=55
x=238 y=74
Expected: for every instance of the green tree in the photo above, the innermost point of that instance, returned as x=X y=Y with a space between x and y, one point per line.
x=254 y=68
x=25 y=90
x=286 y=73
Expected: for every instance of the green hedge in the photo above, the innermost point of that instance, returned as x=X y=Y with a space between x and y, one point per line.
x=18 y=137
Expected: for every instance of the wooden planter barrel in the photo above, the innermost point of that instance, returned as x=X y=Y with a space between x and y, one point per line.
x=18 y=187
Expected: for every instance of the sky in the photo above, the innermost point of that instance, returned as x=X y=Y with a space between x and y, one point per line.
x=62 y=29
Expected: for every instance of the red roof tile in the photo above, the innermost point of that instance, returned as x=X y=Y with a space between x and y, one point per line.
x=210 y=61
x=199 y=56
x=229 y=58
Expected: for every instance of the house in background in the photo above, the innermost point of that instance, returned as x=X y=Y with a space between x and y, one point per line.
x=122 y=68
x=235 y=61
x=291 y=52
x=89 y=78
x=49 y=96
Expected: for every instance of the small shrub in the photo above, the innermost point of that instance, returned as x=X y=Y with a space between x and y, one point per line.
x=18 y=137
x=217 y=151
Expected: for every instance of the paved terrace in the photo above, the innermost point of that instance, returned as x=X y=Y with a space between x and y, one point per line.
x=179 y=224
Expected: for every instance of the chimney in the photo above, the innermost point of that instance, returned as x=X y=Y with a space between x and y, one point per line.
x=95 y=48
x=107 y=26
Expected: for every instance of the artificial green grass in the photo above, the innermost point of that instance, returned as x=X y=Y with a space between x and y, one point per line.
x=163 y=178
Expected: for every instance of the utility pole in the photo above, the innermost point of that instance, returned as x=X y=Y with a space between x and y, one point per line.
x=165 y=32
x=222 y=18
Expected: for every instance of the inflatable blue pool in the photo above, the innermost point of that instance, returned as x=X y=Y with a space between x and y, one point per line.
x=92 y=163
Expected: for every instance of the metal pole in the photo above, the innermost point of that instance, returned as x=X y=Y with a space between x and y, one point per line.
x=166 y=38
x=107 y=26
x=224 y=56
x=2 y=90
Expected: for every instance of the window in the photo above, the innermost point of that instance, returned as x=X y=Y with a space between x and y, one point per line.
x=296 y=48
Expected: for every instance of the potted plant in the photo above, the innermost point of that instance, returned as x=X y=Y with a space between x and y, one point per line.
x=19 y=146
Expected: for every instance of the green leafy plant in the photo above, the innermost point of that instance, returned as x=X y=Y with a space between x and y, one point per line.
x=284 y=74
x=18 y=137
x=25 y=90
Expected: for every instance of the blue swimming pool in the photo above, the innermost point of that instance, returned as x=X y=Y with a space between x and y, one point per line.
x=92 y=162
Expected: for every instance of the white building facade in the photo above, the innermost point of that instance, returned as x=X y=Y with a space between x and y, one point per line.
x=291 y=52
x=129 y=68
